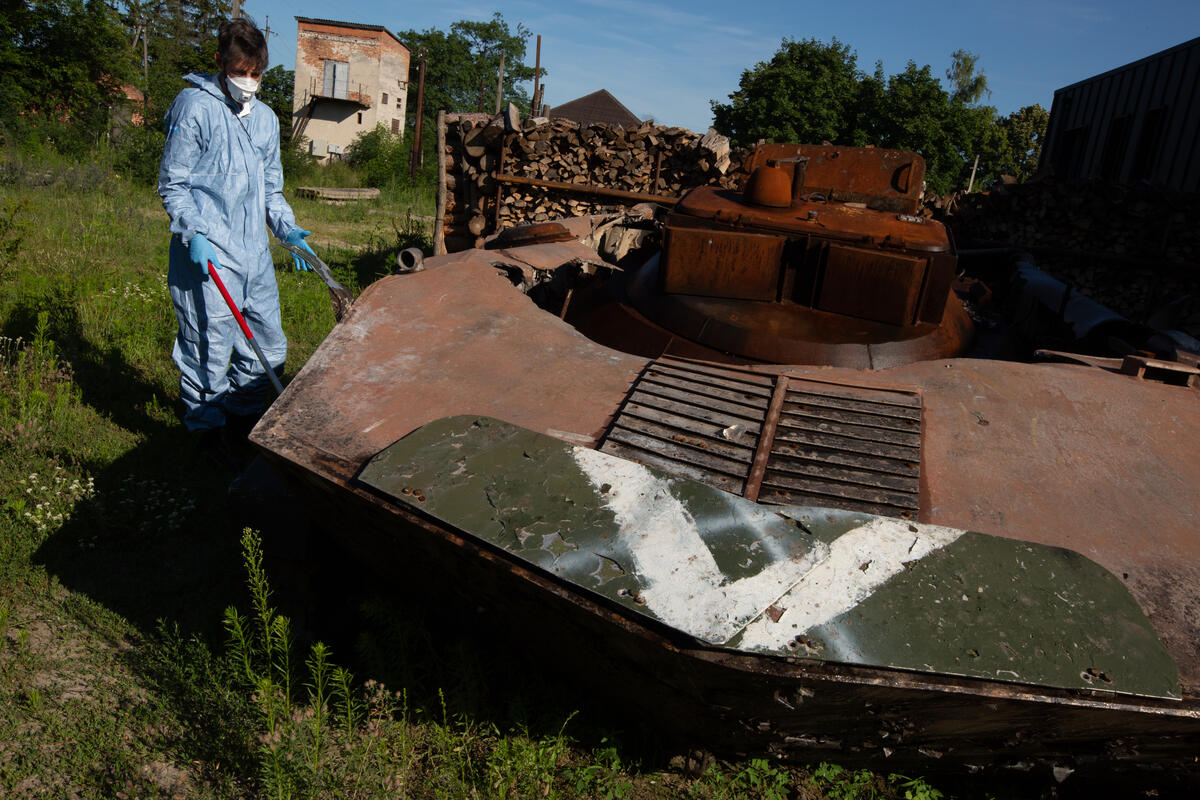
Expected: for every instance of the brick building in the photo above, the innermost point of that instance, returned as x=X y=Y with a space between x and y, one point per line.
x=349 y=78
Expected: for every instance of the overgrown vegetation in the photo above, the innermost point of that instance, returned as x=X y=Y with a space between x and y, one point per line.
x=384 y=159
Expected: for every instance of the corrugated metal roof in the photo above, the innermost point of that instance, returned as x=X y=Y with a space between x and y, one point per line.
x=358 y=25
x=599 y=106
x=1132 y=64
x=1140 y=121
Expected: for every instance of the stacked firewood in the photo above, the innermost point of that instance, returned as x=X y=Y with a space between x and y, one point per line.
x=501 y=171
x=1134 y=249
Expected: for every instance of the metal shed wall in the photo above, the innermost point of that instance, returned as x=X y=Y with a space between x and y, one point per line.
x=1136 y=122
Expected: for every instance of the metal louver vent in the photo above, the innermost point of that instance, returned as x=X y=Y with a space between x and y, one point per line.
x=775 y=439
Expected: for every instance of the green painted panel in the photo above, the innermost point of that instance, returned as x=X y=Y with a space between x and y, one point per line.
x=785 y=581
x=701 y=560
x=978 y=606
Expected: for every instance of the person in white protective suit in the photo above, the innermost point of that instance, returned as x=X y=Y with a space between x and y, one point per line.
x=221 y=183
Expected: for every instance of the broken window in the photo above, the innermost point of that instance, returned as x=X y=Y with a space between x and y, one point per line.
x=360 y=118
x=1069 y=161
x=396 y=126
x=385 y=98
x=1145 y=155
x=1115 y=145
x=337 y=79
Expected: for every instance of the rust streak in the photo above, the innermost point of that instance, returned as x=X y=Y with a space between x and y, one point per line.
x=765 y=438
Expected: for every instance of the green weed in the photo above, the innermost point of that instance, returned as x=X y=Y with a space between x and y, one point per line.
x=915 y=788
x=839 y=783
x=604 y=777
x=761 y=778
x=521 y=765
x=12 y=225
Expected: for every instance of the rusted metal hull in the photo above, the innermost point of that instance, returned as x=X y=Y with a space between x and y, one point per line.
x=1060 y=455
x=736 y=704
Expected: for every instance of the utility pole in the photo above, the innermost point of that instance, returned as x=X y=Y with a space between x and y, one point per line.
x=237 y=9
x=537 y=75
x=267 y=33
x=139 y=32
x=500 y=84
x=417 y=155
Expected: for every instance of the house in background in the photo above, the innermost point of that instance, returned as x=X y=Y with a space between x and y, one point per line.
x=598 y=107
x=1133 y=123
x=349 y=78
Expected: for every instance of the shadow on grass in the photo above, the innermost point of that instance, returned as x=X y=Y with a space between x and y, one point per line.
x=415 y=621
x=159 y=546
x=126 y=550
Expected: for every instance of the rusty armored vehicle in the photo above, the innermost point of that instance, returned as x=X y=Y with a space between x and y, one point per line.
x=758 y=460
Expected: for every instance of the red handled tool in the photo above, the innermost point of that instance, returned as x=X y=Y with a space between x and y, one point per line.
x=245 y=329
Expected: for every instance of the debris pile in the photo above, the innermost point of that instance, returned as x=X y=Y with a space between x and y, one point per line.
x=501 y=171
x=1132 y=248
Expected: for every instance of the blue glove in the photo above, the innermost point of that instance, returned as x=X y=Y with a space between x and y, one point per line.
x=201 y=251
x=296 y=239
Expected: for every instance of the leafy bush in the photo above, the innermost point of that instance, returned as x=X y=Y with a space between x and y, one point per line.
x=299 y=165
x=382 y=158
x=11 y=232
x=137 y=149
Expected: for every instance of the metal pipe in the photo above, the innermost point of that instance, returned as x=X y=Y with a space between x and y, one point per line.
x=971 y=185
x=411 y=259
x=981 y=245
x=1081 y=313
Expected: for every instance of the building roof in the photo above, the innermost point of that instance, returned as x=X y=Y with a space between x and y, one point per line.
x=1152 y=57
x=599 y=106
x=356 y=25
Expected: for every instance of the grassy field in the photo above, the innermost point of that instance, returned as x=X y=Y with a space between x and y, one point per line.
x=142 y=650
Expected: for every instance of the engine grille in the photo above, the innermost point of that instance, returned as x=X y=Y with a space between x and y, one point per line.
x=775 y=439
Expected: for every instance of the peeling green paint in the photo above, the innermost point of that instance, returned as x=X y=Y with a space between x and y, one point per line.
x=840 y=586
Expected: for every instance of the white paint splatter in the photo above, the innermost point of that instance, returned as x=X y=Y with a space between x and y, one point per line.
x=683 y=584
x=860 y=561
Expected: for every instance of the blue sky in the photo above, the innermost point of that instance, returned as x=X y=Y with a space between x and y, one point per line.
x=668 y=58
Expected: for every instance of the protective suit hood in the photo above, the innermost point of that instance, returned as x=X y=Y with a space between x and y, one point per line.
x=211 y=84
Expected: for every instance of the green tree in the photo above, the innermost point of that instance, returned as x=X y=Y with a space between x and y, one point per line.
x=811 y=92
x=461 y=60
x=276 y=90
x=916 y=114
x=1022 y=134
x=967 y=86
x=181 y=38
x=62 y=63
x=808 y=92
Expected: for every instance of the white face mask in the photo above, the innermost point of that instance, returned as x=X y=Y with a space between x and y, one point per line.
x=241 y=89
